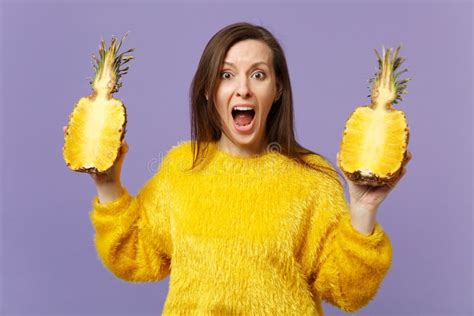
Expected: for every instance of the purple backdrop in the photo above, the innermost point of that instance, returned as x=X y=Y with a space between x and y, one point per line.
x=48 y=261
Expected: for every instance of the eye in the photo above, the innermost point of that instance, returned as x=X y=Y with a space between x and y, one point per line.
x=260 y=75
x=225 y=75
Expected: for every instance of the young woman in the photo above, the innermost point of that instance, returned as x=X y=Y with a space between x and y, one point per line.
x=243 y=218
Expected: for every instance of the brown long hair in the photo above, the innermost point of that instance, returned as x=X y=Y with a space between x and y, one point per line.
x=205 y=121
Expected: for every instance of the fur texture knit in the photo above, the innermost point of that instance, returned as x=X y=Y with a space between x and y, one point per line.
x=257 y=235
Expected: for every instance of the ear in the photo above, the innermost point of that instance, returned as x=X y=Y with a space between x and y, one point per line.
x=207 y=98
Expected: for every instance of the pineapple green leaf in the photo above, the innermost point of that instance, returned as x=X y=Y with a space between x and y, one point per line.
x=387 y=66
x=109 y=57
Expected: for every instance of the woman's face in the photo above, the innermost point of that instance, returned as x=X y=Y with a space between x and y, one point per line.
x=245 y=94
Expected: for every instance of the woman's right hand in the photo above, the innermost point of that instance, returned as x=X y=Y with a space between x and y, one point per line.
x=111 y=175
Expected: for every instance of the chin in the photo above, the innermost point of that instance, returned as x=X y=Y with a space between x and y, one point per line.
x=245 y=140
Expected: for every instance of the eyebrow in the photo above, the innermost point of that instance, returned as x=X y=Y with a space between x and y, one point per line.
x=253 y=65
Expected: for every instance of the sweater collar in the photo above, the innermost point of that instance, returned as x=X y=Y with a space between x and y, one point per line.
x=220 y=160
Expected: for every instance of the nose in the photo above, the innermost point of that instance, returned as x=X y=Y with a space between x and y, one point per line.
x=243 y=89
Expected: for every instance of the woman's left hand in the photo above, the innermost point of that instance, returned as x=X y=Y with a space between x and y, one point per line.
x=365 y=199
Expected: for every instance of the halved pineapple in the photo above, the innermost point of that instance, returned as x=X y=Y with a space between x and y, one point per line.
x=374 y=145
x=97 y=124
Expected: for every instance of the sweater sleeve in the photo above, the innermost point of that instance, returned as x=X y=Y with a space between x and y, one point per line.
x=132 y=233
x=344 y=267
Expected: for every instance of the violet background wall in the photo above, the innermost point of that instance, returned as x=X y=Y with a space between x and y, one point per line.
x=48 y=261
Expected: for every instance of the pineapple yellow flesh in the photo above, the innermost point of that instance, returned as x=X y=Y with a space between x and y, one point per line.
x=94 y=133
x=374 y=143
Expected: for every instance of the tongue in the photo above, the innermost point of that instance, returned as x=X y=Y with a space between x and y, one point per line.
x=243 y=118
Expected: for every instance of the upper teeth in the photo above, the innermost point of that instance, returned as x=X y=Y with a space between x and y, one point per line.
x=242 y=108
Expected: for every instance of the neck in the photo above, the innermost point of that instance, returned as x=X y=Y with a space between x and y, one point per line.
x=245 y=150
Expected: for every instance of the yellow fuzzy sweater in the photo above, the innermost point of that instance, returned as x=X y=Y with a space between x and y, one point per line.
x=242 y=236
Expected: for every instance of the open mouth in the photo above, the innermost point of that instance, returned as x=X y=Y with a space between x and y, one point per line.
x=243 y=116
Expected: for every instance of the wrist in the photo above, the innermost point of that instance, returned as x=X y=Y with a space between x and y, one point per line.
x=363 y=220
x=109 y=186
x=109 y=191
x=107 y=182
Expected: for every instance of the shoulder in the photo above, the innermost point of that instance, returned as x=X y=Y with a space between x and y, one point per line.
x=328 y=194
x=180 y=149
x=165 y=166
x=179 y=155
x=321 y=168
x=318 y=160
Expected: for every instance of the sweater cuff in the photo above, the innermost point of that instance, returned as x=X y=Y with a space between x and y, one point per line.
x=374 y=250
x=112 y=207
x=351 y=235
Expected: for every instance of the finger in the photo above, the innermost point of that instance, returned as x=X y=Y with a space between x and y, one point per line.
x=345 y=178
x=337 y=159
x=124 y=147
x=404 y=170
x=394 y=183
